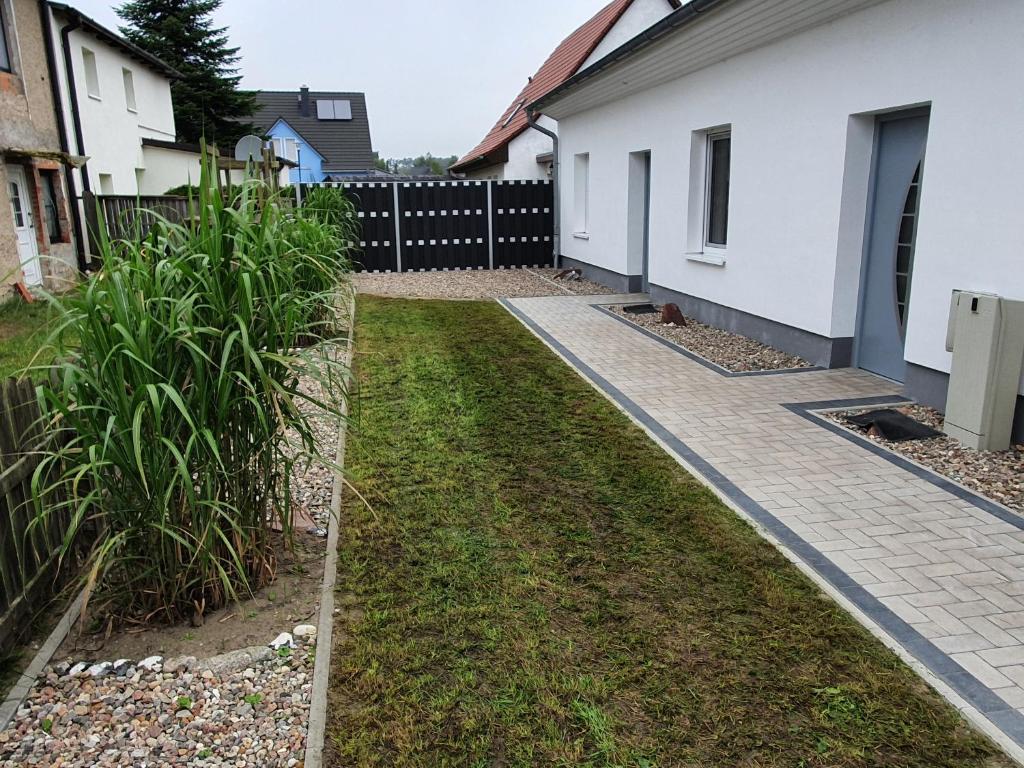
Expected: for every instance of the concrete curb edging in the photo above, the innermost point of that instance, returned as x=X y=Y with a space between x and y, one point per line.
x=316 y=726
x=942 y=681
x=27 y=678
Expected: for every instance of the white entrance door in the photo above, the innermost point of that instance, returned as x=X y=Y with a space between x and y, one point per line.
x=28 y=253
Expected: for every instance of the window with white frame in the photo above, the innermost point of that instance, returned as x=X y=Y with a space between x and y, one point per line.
x=581 y=193
x=129 y=89
x=92 y=76
x=716 y=197
x=5 y=52
x=287 y=148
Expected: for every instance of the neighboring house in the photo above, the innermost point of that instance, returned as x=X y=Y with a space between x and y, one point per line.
x=818 y=175
x=326 y=132
x=114 y=95
x=37 y=242
x=513 y=150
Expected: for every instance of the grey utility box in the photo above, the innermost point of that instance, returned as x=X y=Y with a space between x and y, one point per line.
x=986 y=337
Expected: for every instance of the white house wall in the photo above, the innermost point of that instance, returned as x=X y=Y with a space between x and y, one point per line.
x=112 y=134
x=640 y=15
x=523 y=150
x=166 y=169
x=169 y=168
x=792 y=107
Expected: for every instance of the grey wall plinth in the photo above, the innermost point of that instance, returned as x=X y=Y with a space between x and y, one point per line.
x=817 y=350
x=619 y=283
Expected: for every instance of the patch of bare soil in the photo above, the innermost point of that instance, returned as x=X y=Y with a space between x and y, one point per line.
x=996 y=474
x=729 y=350
x=291 y=599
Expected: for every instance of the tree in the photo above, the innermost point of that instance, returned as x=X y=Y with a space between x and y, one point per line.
x=207 y=100
x=424 y=165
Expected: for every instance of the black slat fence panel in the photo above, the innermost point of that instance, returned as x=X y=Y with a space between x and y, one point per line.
x=443 y=225
x=377 y=249
x=523 y=222
x=452 y=224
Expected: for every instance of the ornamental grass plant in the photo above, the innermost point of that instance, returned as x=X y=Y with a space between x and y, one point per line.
x=182 y=399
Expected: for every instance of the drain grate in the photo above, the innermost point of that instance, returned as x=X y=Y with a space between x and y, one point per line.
x=640 y=309
x=893 y=425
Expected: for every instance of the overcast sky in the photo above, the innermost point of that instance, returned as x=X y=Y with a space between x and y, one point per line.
x=437 y=73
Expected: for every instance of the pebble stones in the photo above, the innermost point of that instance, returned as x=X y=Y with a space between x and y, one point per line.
x=996 y=474
x=179 y=712
x=729 y=350
x=474 y=284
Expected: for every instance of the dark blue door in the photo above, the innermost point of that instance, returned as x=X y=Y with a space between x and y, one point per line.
x=891 y=236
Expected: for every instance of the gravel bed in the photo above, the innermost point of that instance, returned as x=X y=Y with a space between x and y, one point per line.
x=312 y=483
x=243 y=709
x=474 y=284
x=729 y=350
x=998 y=475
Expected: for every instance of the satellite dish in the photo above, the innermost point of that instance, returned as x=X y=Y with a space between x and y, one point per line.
x=249 y=148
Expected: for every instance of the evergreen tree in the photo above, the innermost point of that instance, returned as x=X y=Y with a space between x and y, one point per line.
x=207 y=101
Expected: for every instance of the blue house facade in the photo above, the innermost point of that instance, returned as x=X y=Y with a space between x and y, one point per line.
x=326 y=132
x=289 y=144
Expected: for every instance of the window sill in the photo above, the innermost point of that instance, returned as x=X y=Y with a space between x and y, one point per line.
x=133 y=111
x=581 y=235
x=714 y=259
x=94 y=97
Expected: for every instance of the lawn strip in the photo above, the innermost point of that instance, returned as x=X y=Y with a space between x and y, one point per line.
x=535 y=583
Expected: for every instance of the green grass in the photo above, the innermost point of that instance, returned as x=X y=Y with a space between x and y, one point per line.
x=535 y=583
x=24 y=329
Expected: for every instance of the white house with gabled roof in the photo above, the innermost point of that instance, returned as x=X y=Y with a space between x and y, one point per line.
x=511 y=149
x=820 y=175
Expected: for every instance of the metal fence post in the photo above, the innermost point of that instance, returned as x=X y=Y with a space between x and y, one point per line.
x=490 y=228
x=398 y=231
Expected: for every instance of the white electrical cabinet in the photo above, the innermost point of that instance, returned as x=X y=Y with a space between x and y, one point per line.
x=986 y=336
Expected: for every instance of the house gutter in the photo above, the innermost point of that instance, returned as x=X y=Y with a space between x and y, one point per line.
x=683 y=17
x=58 y=108
x=556 y=233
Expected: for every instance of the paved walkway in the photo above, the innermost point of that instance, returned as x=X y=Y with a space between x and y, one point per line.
x=933 y=569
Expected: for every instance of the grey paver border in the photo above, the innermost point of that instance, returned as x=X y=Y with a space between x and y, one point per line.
x=1007 y=721
x=28 y=676
x=711 y=366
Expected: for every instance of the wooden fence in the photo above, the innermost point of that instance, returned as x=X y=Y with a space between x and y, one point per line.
x=27 y=553
x=126 y=216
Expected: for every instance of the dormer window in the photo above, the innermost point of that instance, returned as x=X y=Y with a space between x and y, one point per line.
x=333 y=109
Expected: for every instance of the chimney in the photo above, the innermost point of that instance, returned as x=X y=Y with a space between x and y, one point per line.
x=304 y=101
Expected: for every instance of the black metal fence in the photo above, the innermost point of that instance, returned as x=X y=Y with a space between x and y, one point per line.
x=410 y=226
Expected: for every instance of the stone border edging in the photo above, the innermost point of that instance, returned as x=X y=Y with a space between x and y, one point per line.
x=27 y=678
x=979 y=705
x=316 y=724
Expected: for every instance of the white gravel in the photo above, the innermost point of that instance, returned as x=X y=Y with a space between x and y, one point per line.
x=996 y=474
x=474 y=284
x=729 y=350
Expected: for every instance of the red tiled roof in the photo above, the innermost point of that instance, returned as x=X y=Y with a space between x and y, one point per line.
x=558 y=68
